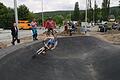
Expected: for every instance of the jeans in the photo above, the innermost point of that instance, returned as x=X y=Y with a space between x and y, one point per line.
x=34 y=31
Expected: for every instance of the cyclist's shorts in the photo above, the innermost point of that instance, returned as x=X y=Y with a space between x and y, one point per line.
x=51 y=42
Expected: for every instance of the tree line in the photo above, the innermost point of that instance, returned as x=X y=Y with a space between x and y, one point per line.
x=7 y=16
x=97 y=14
x=94 y=14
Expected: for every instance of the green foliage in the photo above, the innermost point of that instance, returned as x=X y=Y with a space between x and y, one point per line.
x=97 y=13
x=118 y=18
x=105 y=9
x=90 y=15
x=58 y=19
x=82 y=16
x=23 y=12
x=6 y=16
x=30 y=16
x=76 y=13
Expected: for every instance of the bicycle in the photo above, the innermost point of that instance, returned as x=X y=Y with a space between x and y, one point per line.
x=41 y=51
x=51 y=31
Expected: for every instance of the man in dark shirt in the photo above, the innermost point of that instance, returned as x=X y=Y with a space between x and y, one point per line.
x=14 y=33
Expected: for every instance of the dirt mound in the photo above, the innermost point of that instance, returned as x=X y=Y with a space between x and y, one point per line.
x=65 y=33
x=113 y=37
x=2 y=45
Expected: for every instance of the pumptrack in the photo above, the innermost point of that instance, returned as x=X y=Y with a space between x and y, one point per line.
x=75 y=58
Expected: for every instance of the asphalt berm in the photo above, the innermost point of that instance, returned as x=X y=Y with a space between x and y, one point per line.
x=75 y=58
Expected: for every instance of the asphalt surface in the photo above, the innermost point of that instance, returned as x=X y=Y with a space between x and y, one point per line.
x=75 y=58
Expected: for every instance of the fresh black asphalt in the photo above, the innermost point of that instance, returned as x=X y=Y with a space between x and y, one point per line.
x=75 y=58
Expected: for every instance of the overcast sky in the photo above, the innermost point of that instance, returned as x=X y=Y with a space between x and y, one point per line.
x=53 y=5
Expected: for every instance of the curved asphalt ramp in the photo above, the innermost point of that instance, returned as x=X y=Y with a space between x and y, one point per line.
x=75 y=58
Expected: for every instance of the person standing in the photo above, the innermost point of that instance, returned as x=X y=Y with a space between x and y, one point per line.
x=66 y=26
x=14 y=33
x=34 y=29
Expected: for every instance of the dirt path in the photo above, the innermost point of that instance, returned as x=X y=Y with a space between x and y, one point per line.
x=113 y=38
x=24 y=40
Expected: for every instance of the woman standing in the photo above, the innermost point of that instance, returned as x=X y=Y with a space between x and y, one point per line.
x=34 y=29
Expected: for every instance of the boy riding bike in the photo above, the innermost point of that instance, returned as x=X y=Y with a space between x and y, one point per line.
x=50 y=43
x=50 y=26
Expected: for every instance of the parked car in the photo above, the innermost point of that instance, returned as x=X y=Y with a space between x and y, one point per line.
x=114 y=26
x=103 y=28
x=118 y=27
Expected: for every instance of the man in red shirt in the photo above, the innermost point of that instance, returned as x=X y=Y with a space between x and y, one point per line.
x=50 y=25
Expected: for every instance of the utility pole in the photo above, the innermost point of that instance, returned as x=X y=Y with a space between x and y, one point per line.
x=42 y=14
x=86 y=11
x=16 y=16
x=94 y=11
x=86 y=16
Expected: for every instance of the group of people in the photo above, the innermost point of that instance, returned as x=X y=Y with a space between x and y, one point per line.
x=50 y=39
x=49 y=25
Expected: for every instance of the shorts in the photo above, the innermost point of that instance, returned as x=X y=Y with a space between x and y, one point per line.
x=50 y=43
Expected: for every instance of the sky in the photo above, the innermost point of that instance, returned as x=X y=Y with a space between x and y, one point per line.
x=53 y=5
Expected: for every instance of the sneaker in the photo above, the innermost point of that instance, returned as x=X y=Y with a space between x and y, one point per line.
x=36 y=39
x=13 y=43
x=43 y=52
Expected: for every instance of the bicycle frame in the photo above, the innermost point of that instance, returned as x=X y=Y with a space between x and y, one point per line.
x=40 y=50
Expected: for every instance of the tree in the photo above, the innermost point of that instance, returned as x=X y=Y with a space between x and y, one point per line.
x=82 y=16
x=58 y=19
x=68 y=17
x=119 y=12
x=76 y=13
x=90 y=11
x=23 y=12
x=90 y=16
x=105 y=9
x=95 y=11
x=98 y=14
x=89 y=4
x=6 y=16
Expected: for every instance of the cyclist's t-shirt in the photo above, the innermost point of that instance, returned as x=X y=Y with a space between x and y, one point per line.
x=50 y=24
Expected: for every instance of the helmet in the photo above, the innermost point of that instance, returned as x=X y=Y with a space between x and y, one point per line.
x=50 y=18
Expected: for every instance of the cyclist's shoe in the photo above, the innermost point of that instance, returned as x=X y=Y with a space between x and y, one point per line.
x=43 y=53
